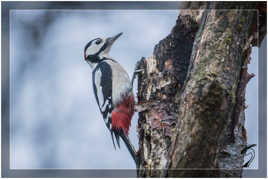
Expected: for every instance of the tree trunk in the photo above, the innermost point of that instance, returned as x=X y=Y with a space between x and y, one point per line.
x=192 y=93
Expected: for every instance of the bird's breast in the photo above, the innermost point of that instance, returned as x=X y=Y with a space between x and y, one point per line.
x=120 y=81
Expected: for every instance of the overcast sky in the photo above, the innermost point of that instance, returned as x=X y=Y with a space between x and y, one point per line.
x=55 y=121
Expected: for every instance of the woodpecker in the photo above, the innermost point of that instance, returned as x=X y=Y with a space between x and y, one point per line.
x=112 y=89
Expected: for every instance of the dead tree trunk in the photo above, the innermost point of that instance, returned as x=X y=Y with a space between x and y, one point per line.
x=192 y=92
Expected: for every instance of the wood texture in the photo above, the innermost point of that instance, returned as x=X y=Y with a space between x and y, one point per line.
x=192 y=92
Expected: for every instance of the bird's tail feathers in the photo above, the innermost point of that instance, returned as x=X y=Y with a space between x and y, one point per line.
x=129 y=146
x=117 y=135
x=112 y=134
x=117 y=139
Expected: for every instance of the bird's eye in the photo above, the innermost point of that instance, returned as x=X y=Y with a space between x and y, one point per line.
x=98 y=41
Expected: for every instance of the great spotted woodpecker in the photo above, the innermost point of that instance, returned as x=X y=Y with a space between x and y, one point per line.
x=112 y=89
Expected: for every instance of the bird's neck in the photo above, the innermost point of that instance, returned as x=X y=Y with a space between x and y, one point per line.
x=97 y=60
x=104 y=55
x=92 y=65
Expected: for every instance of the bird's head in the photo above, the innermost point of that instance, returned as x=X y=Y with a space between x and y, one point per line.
x=98 y=48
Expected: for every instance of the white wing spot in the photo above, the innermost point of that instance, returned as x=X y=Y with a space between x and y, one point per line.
x=99 y=87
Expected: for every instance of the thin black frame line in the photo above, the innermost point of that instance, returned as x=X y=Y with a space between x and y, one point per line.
x=6 y=172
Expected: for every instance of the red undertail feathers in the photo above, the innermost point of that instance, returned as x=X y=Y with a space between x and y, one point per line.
x=122 y=114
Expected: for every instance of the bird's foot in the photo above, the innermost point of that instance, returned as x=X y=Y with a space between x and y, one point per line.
x=136 y=72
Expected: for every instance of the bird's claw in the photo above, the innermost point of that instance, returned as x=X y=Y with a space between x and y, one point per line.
x=137 y=66
x=136 y=71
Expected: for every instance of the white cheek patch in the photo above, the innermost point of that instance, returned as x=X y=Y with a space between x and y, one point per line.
x=93 y=49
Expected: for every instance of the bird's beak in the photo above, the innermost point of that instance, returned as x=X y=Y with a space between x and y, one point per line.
x=111 y=40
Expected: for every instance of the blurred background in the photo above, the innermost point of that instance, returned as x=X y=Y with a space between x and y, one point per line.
x=55 y=121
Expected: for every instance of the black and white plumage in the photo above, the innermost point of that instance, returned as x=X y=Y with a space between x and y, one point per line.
x=112 y=89
x=102 y=85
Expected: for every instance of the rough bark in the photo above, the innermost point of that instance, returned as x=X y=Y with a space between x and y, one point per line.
x=192 y=92
x=162 y=80
x=209 y=107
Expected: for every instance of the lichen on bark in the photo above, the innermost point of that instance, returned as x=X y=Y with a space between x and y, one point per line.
x=209 y=96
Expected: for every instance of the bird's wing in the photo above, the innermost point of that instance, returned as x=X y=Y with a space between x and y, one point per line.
x=102 y=85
